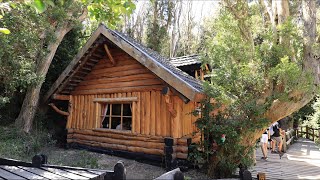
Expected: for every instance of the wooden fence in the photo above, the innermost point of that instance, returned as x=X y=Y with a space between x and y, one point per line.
x=288 y=139
x=309 y=132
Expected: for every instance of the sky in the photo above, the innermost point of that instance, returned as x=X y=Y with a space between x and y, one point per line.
x=200 y=8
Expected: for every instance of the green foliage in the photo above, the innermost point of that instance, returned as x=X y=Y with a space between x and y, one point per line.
x=159 y=20
x=14 y=144
x=313 y=117
x=110 y=11
x=242 y=71
x=221 y=157
x=20 y=50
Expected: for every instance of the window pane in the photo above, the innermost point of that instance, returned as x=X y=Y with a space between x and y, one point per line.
x=115 y=123
x=127 y=122
x=105 y=122
x=116 y=109
x=108 y=112
x=127 y=110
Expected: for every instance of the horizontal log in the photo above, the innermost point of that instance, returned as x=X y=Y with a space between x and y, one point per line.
x=61 y=97
x=118 y=74
x=143 y=144
x=134 y=83
x=175 y=149
x=116 y=100
x=184 y=141
x=118 y=135
x=116 y=69
x=196 y=139
x=123 y=61
x=104 y=80
x=118 y=147
x=128 y=133
x=181 y=149
x=119 y=90
x=182 y=156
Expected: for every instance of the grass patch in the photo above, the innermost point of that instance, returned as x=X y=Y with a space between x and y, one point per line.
x=75 y=158
x=17 y=145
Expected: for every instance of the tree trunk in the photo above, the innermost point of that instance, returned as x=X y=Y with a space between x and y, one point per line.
x=310 y=63
x=31 y=100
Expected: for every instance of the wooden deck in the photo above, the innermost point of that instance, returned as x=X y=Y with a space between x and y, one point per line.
x=15 y=169
x=302 y=161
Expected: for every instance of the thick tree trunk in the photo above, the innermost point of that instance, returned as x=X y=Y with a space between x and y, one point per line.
x=310 y=63
x=31 y=101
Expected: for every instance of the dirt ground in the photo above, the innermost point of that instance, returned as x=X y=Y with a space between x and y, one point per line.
x=135 y=170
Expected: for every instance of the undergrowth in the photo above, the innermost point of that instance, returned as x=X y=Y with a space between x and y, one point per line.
x=22 y=146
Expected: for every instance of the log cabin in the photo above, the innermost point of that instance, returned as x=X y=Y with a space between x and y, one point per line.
x=127 y=98
x=191 y=64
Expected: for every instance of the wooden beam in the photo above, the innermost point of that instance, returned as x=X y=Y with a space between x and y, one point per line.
x=116 y=100
x=168 y=99
x=90 y=64
x=74 y=63
x=109 y=55
x=153 y=65
x=61 y=97
x=86 y=68
x=58 y=110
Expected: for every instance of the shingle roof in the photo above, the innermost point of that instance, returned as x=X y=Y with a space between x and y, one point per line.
x=160 y=66
x=185 y=60
x=196 y=84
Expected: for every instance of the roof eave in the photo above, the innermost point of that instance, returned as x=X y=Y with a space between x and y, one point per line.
x=161 y=71
x=73 y=63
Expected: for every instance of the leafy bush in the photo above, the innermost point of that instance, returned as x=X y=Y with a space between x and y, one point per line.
x=17 y=145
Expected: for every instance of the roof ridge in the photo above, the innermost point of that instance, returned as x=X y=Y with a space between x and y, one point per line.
x=159 y=57
x=185 y=56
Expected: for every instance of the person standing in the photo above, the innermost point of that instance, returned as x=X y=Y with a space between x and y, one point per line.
x=277 y=138
x=264 y=144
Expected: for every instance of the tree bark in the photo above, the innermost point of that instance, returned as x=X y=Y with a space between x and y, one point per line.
x=31 y=101
x=310 y=63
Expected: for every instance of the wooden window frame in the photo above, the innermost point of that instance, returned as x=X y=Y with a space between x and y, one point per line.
x=110 y=101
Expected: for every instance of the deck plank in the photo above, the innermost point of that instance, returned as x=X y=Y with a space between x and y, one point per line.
x=21 y=172
x=302 y=161
x=43 y=173
x=83 y=173
x=64 y=173
x=8 y=175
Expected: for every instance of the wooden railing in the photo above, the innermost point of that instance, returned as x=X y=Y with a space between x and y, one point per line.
x=309 y=132
x=288 y=139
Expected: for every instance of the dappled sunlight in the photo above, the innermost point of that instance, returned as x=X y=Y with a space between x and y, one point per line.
x=302 y=161
x=309 y=177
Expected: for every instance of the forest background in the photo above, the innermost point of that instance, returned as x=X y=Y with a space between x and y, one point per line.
x=263 y=54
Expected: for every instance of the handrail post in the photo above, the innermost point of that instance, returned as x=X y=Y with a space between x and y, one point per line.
x=312 y=134
x=284 y=144
x=307 y=132
x=301 y=132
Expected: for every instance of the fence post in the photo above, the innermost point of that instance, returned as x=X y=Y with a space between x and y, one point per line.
x=301 y=132
x=319 y=134
x=307 y=132
x=312 y=134
x=284 y=144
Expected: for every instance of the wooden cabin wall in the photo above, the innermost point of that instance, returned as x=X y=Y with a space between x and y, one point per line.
x=128 y=78
x=128 y=75
x=150 y=114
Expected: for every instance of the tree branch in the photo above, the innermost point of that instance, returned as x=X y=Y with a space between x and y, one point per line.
x=55 y=108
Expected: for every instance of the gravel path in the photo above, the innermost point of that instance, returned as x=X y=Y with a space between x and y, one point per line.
x=135 y=170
